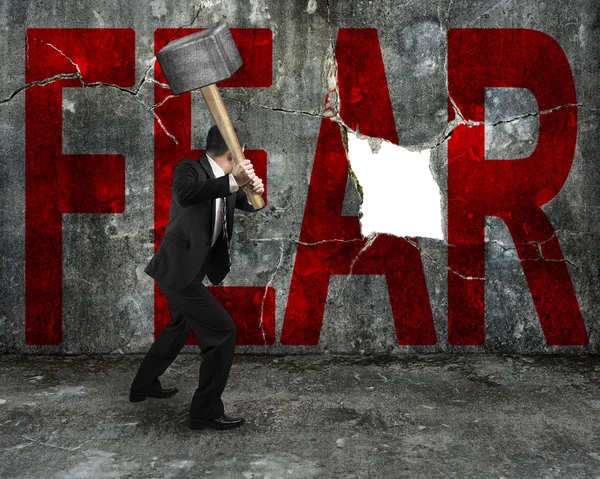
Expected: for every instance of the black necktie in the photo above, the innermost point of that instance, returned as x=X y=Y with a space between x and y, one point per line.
x=225 y=233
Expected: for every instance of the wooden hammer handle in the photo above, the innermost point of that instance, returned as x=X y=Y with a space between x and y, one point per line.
x=223 y=121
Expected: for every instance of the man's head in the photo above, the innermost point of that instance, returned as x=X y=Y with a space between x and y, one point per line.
x=217 y=149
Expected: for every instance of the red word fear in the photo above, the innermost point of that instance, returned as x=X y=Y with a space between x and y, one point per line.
x=329 y=243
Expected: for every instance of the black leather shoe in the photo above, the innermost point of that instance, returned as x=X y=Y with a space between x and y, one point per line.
x=137 y=396
x=221 y=422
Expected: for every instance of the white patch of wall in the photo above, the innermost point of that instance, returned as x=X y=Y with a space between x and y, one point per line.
x=159 y=8
x=311 y=7
x=400 y=196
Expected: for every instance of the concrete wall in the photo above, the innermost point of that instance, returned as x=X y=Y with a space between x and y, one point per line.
x=71 y=264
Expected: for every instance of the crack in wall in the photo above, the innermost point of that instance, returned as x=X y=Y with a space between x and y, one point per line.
x=538 y=247
x=45 y=81
x=61 y=53
x=156 y=105
x=471 y=123
x=564 y=260
x=270 y=282
x=539 y=113
x=536 y=244
x=370 y=239
x=227 y=96
x=132 y=92
x=330 y=73
x=373 y=236
x=448 y=268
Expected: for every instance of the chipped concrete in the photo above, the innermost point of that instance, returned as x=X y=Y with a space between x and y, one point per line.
x=308 y=416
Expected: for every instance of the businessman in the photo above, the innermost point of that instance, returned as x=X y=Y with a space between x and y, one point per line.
x=205 y=193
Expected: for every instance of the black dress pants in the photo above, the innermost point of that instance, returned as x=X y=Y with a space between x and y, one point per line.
x=194 y=308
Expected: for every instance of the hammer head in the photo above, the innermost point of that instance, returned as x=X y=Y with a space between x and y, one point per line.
x=199 y=59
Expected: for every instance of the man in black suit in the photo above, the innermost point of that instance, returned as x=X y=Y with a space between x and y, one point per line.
x=196 y=243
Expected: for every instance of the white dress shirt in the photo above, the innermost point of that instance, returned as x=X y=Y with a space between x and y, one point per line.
x=233 y=187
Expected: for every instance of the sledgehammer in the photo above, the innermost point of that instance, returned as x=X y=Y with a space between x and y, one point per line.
x=200 y=60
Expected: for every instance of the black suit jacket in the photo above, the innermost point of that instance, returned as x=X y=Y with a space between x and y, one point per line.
x=188 y=233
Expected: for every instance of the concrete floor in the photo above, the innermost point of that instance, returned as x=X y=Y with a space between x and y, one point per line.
x=413 y=416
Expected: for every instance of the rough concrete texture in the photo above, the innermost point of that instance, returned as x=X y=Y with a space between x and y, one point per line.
x=107 y=300
x=308 y=416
